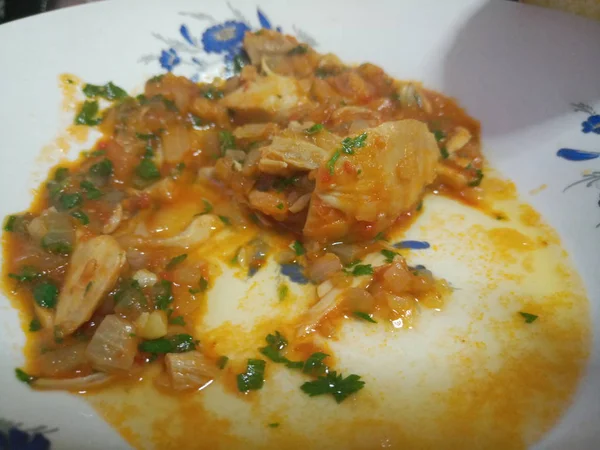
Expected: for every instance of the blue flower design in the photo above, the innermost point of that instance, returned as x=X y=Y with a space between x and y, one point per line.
x=169 y=59
x=225 y=37
x=16 y=439
x=591 y=125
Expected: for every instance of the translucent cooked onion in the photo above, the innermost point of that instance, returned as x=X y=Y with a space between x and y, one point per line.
x=397 y=279
x=347 y=253
x=113 y=346
x=324 y=267
x=63 y=360
x=190 y=370
x=357 y=299
x=175 y=141
x=152 y=325
x=72 y=384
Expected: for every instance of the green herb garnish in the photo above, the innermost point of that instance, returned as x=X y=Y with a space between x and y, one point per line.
x=439 y=135
x=88 y=114
x=380 y=237
x=364 y=316
x=283 y=183
x=314 y=365
x=212 y=93
x=225 y=220
x=334 y=384
x=226 y=141
x=282 y=292
x=298 y=50
x=70 y=201
x=332 y=161
x=147 y=170
x=178 y=343
x=109 y=91
x=45 y=295
x=103 y=168
x=81 y=216
x=444 y=152
x=23 y=376
x=179 y=320
x=9 y=225
x=273 y=425
x=59 y=247
x=529 y=318
x=61 y=174
x=389 y=255
x=222 y=362
x=91 y=191
x=176 y=260
x=27 y=273
x=35 y=325
x=478 y=178
x=349 y=144
x=360 y=269
x=314 y=129
x=253 y=378
x=162 y=292
x=298 y=248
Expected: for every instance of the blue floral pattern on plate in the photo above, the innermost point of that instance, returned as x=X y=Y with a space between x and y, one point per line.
x=191 y=51
x=14 y=437
x=589 y=178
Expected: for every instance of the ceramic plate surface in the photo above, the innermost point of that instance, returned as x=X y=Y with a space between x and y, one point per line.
x=531 y=76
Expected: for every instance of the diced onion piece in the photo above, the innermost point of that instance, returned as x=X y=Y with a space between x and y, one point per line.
x=324 y=288
x=357 y=299
x=114 y=221
x=300 y=204
x=152 y=325
x=176 y=142
x=62 y=360
x=460 y=137
x=72 y=384
x=397 y=278
x=145 y=278
x=190 y=370
x=319 y=311
x=113 y=346
x=324 y=267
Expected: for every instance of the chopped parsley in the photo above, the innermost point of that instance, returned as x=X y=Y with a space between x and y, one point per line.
x=90 y=189
x=57 y=246
x=478 y=177
x=225 y=220
x=239 y=61
x=253 y=378
x=529 y=318
x=156 y=78
x=380 y=237
x=178 y=343
x=226 y=141
x=279 y=206
x=27 y=273
x=176 y=260
x=444 y=152
x=103 y=168
x=147 y=170
x=314 y=129
x=9 y=225
x=45 y=295
x=23 y=376
x=203 y=284
x=364 y=316
x=196 y=121
x=273 y=425
x=283 y=183
x=282 y=292
x=222 y=362
x=276 y=344
x=332 y=161
x=109 y=91
x=212 y=94
x=439 y=135
x=179 y=320
x=336 y=385
x=420 y=206
x=61 y=173
x=88 y=114
x=389 y=255
x=35 y=325
x=349 y=144
x=298 y=248
x=360 y=269
x=81 y=216
x=70 y=201
x=298 y=50
x=162 y=293
x=314 y=365
x=207 y=207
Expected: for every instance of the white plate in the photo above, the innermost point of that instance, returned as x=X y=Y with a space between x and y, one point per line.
x=529 y=75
